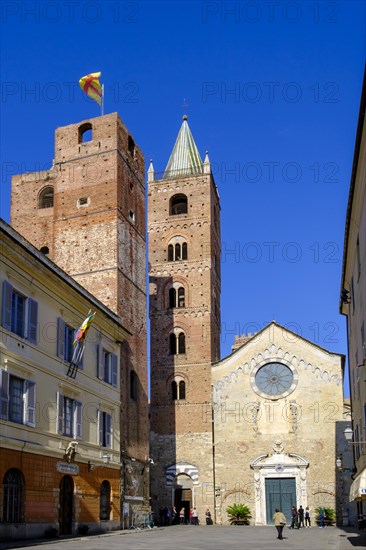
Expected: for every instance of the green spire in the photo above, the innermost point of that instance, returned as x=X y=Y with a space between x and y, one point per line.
x=185 y=159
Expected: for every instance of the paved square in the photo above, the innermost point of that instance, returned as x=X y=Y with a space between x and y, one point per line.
x=206 y=538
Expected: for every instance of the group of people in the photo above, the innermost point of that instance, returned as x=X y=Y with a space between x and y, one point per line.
x=193 y=516
x=299 y=518
x=169 y=516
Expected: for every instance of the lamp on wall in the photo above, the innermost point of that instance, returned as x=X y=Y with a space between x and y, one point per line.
x=339 y=463
x=106 y=460
x=348 y=434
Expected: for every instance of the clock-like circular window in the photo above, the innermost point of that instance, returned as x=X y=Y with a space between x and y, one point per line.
x=274 y=380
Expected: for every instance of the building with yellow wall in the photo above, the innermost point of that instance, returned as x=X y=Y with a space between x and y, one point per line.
x=59 y=435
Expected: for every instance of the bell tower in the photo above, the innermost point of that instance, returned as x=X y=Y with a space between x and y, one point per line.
x=185 y=283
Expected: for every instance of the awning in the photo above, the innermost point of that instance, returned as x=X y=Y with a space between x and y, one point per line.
x=358 y=487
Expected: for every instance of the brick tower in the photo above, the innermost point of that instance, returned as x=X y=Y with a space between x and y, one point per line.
x=87 y=213
x=184 y=271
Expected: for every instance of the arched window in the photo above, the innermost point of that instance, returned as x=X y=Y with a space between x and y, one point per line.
x=13 y=496
x=172 y=297
x=133 y=385
x=46 y=196
x=105 y=501
x=85 y=132
x=177 y=342
x=182 y=343
x=177 y=250
x=176 y=296
x=178 y=205
x=178 y=389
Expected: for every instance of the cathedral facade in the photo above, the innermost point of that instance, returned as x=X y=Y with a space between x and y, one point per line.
x=277 y=401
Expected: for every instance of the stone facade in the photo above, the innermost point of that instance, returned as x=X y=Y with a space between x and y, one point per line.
x=87 y=213
x=272 y=429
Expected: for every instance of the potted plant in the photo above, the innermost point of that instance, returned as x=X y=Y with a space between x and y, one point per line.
x=239 y=514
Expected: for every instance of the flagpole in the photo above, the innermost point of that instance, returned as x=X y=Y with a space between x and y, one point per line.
x=102 y=103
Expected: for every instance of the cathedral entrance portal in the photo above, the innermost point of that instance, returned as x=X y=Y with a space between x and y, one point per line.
x=281 y=494
x=183 y=495
x=280 y=481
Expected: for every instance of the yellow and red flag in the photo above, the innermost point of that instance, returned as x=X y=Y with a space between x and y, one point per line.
x=83 y=329
x=91 y=86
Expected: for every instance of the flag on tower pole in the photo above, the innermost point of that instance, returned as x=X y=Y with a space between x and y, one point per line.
x=93 y=88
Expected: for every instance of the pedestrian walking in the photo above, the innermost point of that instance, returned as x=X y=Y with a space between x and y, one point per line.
x=195 y=516
x=181 y=516
x=280 y=522
x=208 y=517
x=322 y=519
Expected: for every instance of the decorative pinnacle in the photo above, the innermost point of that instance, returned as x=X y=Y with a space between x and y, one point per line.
x=185 y=117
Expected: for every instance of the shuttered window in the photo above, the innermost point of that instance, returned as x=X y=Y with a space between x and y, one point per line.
x=19 y=313
x=17 y=399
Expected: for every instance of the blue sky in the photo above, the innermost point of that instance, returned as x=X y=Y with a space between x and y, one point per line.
x=273 y=92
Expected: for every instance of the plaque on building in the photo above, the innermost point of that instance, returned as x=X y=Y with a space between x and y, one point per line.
x=66 y=468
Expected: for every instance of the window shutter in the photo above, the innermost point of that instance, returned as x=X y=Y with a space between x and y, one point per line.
x=30 y=403
x=100 y=426
x=4 y=394
x=60 y=413
x=114 y=370
x=60 y=338
x=6 y=313
x=108 y=430
x=100 y=366
x=32 y=321
x=78 y=420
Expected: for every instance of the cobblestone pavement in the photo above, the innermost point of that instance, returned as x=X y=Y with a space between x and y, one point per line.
x=206 y=538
